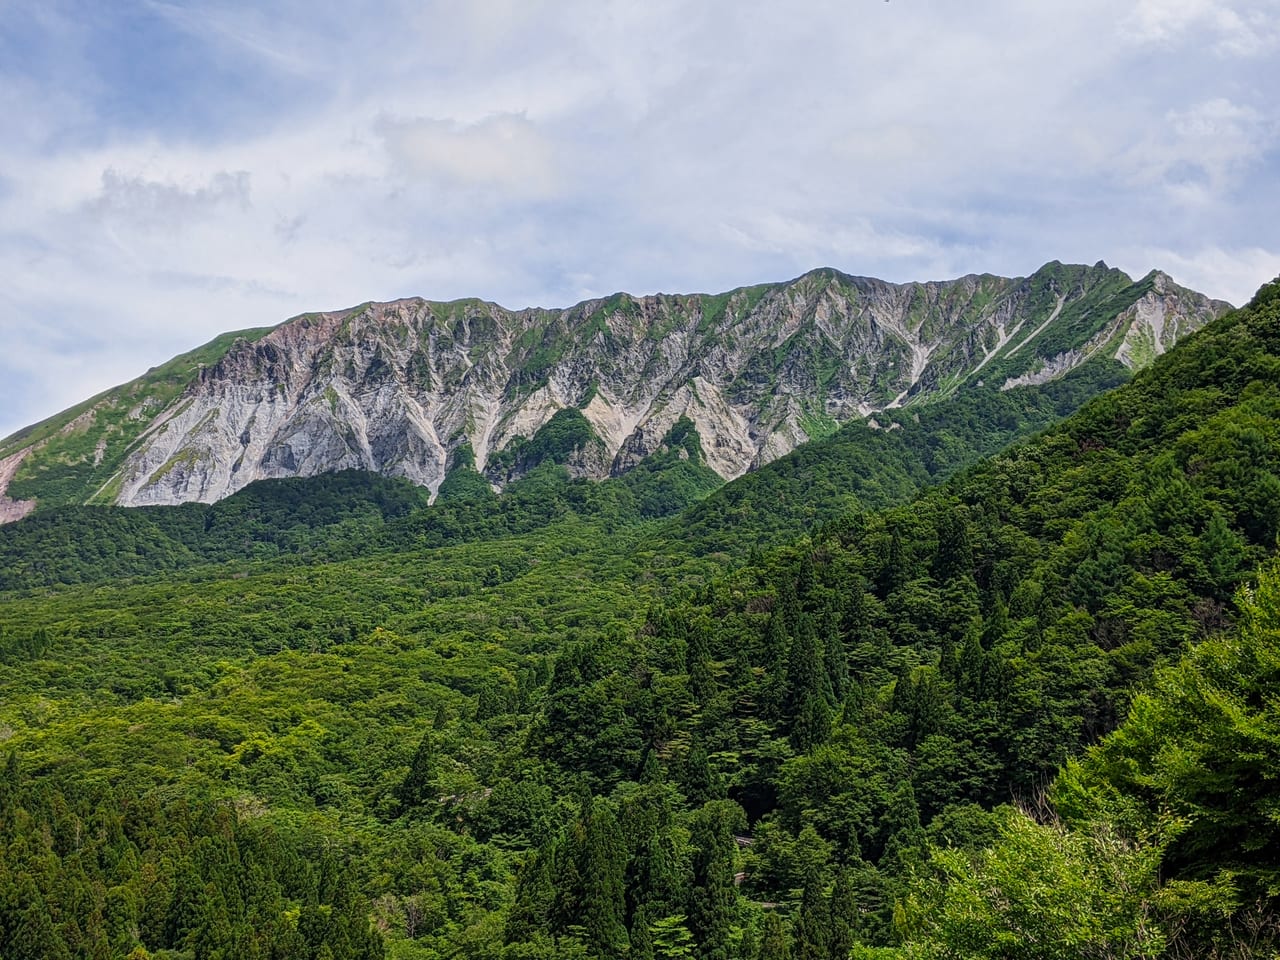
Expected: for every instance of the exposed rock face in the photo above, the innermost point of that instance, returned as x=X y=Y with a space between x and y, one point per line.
x=1163 y=315
x=398 y=387
x=11 y=510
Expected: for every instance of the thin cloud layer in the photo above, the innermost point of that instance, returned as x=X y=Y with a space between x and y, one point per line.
x=174 y=170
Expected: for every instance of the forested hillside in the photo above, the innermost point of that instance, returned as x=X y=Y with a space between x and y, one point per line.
x=818 y=714
x=348 y=514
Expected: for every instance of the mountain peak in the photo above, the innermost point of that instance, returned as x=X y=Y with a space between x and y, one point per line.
x=397 y=387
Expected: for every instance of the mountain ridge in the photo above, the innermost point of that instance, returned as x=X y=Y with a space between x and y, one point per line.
x=400 y=387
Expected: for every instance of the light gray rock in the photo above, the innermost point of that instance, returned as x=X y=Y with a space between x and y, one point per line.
x=397 y=387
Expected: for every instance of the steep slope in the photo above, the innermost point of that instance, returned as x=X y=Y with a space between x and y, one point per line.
x=451 y=723
x=399 y=388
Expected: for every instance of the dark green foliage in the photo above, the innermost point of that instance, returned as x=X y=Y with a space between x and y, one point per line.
x=602 y=868
x=712 y=898
x=106 y=863
x=319 y=518
x=774 y=944
x=536 y=725
x=811 y=931
x=416 y=788
x=673 y=477
x=566 y=434
x=1202 y=745
x=861 y=468
x=463 y=481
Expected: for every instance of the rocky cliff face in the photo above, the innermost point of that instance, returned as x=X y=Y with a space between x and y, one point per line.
x=399 y=387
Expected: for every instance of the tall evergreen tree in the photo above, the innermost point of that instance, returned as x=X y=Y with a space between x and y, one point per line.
x=416 y=788
x=806 y=676
x=774 y=942
x=834 y=655
x=713 y=897
x=641 y=939
x=954 y=557
x=810 y=934
x=602 y=870
x=698 y=654
x=843 y=917
x=534 y=896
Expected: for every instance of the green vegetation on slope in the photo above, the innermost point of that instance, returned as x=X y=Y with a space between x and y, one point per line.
x=75 y=463
x=839 y=348
x=573 y=742
x=1160 y=841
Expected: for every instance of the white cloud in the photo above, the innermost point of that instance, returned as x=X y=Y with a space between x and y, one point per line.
x=504 y=151
x=1202 y=151
x=1231 y=274
x=1233 y=29
x=840 y=242
x=167 y=205
x=539 y=152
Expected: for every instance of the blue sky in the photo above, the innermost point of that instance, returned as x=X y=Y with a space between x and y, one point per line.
x=173 y=170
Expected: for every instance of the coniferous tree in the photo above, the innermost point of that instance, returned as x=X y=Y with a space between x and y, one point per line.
x=416 y=788
x=641 y=939
x=812 y=724
x=954 y=557
x=656 y=882
x=904 y=690
x=809 y=932
x=1223 y=554
x=806 y=575
x=602 y=870
x=713 y=895
x=874 y=904
x=698 y=654
x=566 y=871
x=9 y=782
x=534 y=896
x=774 y=685
x=971 y=668
x=835 y=655
x=313 y=927
x=34 y=937
x=996 y=624
x=893 y=568
x=774 y=942
x=183 y=913
x=807 y=702
x=843 y=917
x=212 y=932
x=651 y=771
x=700 y=782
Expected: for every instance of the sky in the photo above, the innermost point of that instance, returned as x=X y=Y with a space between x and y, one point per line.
x=173 y=170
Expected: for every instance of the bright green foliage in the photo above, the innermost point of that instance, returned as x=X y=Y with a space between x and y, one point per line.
x=542 y=725
x=774 y=944
x=1203 y=745
x=1169 y=847
x=1040 y=893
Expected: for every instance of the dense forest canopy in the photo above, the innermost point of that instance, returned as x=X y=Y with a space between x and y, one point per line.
x=876 y=700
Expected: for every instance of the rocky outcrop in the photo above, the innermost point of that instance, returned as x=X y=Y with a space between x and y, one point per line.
x=11 y=510
x=398 y=387
x=1161 y=317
